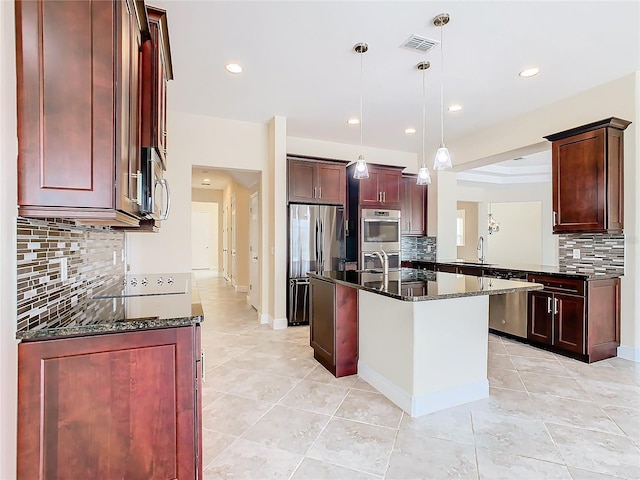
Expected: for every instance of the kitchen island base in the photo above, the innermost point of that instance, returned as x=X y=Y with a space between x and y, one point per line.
x=424 y=356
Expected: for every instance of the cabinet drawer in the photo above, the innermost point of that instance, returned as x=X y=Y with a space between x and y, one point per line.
x=559 y=284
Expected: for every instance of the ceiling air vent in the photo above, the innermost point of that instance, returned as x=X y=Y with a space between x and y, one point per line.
x=419 y=44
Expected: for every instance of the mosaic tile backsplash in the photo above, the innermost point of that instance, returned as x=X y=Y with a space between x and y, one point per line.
x=94 y=257
x=418 y=249
x=599 y=253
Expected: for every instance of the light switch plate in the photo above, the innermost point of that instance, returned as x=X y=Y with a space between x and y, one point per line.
x=576 y=253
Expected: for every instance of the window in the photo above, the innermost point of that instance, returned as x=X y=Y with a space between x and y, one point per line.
x=460 y=228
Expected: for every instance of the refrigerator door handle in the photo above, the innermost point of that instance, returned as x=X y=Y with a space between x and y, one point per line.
x=317 y=244
x=321 y=245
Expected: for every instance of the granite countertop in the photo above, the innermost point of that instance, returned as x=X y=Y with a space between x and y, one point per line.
x=130 y=308
x=414 y=285
x=533 y=268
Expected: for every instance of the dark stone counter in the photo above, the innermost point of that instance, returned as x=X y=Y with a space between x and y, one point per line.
x=413 y=285
x=132 y=308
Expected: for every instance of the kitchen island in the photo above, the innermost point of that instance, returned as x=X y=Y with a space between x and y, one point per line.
x=423 y=346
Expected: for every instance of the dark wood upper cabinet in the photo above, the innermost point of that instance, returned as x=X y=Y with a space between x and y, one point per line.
x=78 y=109
x=315 y=181
x=381 y=190
x=122 y=405
x=156 y=71
x=413 y=206
x=588 y=177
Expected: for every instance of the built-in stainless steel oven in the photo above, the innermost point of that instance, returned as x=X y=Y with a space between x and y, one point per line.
x=380 y=231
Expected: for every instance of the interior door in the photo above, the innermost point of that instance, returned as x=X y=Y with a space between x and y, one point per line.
x=254 y=249
x=201 y=251
x=225 y=241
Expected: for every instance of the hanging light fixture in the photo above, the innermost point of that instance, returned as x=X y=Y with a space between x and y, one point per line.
x=424 y=177
x=361 y=171
x=493 y=224
x=443 y=158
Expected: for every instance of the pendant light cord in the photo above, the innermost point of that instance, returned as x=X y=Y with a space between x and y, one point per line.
x=361 y=55
x=441 y=88
x=424 y=116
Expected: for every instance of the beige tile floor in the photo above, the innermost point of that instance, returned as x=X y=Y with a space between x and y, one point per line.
x=272 y=412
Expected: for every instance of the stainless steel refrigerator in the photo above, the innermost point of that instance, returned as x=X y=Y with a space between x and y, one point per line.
x=316 y=243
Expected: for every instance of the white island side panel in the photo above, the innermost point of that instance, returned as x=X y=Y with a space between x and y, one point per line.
x=425 y=356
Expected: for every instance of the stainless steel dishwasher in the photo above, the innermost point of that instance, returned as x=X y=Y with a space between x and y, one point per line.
x=508 y=311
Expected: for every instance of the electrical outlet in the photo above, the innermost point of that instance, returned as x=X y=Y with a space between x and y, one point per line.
x=428 y=248
x=576 y=253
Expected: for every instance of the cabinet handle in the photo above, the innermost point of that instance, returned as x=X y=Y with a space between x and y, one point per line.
x=314 y=192
x=380 y=197
x=555 y=305
x=346 y=228
x=548 y=304
x=203 y=366
x=555 y=218
x=164 y=133
x=138 y=177
x=384 y=197
x=319 y=192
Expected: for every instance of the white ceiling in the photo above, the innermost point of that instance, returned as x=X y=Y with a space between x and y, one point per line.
x=217 y=179
x=299 y=62
x=534 y=168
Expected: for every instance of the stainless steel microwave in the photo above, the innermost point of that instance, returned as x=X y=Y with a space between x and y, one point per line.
x=380 y=230
x=156 y=196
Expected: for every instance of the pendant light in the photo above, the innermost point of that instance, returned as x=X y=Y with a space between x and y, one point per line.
x=424 y=177
x=361 y=171
x=443 y=158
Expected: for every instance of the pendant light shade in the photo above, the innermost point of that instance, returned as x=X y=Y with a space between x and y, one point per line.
x=443 y=158
x=361 y=171
x=424 y=177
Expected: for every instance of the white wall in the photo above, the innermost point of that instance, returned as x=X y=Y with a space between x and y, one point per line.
x=534 y=192
x=8 y=196
x=619 y=98
x=519 y=239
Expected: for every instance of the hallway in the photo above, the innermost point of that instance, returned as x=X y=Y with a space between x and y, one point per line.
x=272 y=412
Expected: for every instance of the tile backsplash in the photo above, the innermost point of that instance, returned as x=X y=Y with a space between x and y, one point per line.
x=419 y=249
x=599 y=253
x=94 y=258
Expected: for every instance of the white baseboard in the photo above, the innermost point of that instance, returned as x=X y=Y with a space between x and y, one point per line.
x=241 y=288
x=418 y=405
x=278 y=323
x=265 y=318
x=629 y=353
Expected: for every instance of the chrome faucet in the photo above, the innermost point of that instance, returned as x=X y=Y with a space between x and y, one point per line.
x=480 y=249
x=384 y=261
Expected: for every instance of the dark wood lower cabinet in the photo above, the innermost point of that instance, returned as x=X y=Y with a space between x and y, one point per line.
x=333 y=320
x=122 y=405
x=578 y=317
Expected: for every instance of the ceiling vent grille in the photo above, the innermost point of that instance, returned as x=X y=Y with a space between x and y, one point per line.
x=419 y=44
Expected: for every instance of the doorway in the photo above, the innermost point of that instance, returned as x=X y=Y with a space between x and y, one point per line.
x=253 y=296
x=203 y=251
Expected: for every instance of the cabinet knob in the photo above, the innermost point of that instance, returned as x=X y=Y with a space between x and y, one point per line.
x=555 y=218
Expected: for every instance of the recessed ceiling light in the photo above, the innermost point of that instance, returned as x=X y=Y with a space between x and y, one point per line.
x=353 y=121
x=410 y=131
x=529 y=72
x=455 y=108
x=233 y=68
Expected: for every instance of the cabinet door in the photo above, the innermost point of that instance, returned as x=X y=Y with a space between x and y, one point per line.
x=302 y=182
x=540 y=317
x=109 y=406
x=65 y=83
x=389 y=184
x=128 y=176
x=331 y=182
x=322 y=321
x=405 y=205
x=370 y=188
x=569 y=319
x=579 y=182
